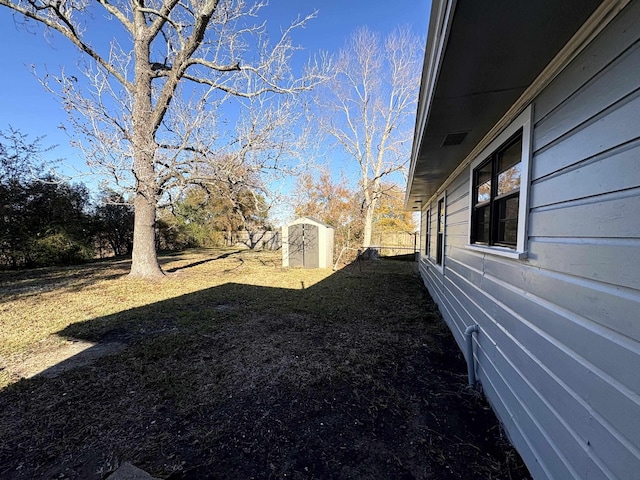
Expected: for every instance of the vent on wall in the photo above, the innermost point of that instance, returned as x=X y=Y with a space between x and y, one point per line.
x=454 y=138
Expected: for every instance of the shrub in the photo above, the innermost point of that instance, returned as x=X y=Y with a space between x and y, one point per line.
x=58 y=249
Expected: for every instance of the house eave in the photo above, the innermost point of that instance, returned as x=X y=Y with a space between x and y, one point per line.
x=480 y=58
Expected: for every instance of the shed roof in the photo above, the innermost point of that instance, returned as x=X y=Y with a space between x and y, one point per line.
x=309 y=220
x=480 y=58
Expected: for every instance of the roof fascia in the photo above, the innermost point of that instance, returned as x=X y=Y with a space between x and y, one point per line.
x=603 y=15
x=440 y=21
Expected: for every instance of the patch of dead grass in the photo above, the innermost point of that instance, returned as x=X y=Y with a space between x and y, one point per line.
x=237 y=368
x=35 y=305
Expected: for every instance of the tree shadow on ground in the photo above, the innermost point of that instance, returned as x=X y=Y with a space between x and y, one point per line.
x=405 y=257
x=28 y=282
x=354 y=377
x=202 y=262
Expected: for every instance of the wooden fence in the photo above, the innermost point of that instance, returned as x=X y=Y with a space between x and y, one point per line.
x=387 y=244
x=390 y=244
x=261 y=240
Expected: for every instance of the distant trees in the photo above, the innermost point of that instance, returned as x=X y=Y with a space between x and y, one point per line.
x=201 y=217
x=47 y=221
x=113 y=223
x=336 y=204
x=369 y=109
x=333 y=203
x=43 y=222
x=149 y=102
x=390 y=214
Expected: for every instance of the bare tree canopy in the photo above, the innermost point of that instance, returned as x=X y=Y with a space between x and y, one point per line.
x=20 y=157
x=147 y=112
x=370 y=108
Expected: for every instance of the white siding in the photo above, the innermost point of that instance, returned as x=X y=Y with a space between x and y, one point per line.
x=423 y=232
x=559 y=345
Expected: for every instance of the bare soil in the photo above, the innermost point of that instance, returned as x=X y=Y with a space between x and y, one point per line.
x=356 y=377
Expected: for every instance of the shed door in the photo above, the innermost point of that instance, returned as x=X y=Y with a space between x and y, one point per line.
x=303 y=246
x=310 y=251
x=296 y=245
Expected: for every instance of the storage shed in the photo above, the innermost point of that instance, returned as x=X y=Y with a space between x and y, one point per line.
x=307 y=243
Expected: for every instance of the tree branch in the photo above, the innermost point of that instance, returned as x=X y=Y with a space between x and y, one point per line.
x=67 y=29
x=116 y=12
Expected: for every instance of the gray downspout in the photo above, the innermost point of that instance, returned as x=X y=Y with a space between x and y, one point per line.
x=468 y=336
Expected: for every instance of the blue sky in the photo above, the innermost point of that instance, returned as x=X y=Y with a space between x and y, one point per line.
x=25 y=105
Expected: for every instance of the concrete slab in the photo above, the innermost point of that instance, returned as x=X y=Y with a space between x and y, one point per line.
x=128 y=471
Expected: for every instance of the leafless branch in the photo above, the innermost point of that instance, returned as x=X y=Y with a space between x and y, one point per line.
x=369 y=106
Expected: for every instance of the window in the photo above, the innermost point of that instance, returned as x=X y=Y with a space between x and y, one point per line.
x=427 y=232
x=496 y=190
x=440 y=232
x=499 y=191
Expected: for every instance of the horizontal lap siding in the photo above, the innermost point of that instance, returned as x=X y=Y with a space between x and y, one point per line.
x=584 y=237
x=585 y=193
x=456 y=233
x=512 y=370
x=541 y=341
x=423 y=234
x=559 y=343
x=610 y=174
x=611 y=261
x=609 y=212
x=457 y=229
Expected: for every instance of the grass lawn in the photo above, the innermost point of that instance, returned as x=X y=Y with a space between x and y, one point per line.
x=233 y=367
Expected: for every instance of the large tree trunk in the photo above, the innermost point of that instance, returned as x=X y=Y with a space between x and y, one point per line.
x=368 y=225
x=144 y=259
x=371 y=195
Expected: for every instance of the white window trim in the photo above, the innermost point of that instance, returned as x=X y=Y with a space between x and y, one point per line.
x=434 y=248
x=424 y=232
x=523 y=121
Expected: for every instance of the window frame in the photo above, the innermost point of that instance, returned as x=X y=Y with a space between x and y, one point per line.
x=524 y=124
x=441 y=229
x=491 y=167
x=427 y=231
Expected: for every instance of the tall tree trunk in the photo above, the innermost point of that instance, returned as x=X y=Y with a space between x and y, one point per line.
x=144 y=259
x=371 y=195
x=368 y=225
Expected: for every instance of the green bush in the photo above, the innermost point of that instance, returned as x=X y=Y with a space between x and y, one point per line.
x=176 y=234
x=59 y=249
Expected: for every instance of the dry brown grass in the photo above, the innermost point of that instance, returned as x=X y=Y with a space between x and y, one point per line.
x=233 y=367
x=35 y=305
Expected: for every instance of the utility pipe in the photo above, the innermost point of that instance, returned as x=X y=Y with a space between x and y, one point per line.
x=468 y=336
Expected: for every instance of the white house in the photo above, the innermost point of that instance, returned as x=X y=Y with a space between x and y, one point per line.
x=526 y=168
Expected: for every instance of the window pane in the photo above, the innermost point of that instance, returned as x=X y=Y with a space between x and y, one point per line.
x=440 y=233
x=509 y=180
x=509 y=157
x=483 y=183
x=509 y=166
x=508 y=232
x=508 y=221
x=495 y=195
x=427 y=232
x=483 y=193
x=482 y=224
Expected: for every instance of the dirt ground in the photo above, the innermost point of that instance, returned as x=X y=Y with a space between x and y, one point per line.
x=354 y=378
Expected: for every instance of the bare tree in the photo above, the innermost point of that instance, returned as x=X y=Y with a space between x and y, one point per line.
x=370 y=108
x=149 y=102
